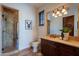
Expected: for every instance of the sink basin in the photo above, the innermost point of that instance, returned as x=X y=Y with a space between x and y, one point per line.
x=54 y=35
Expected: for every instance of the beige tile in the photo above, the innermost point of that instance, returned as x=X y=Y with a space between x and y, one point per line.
x=27 y=52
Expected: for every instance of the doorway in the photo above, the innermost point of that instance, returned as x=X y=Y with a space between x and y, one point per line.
x=69 y=22
x=9 y=29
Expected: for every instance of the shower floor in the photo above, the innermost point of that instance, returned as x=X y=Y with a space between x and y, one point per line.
x=9 y=49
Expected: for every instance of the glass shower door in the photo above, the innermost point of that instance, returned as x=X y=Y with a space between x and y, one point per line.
x=7 y=31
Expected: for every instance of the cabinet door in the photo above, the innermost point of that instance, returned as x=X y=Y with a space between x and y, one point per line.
x=44 y=47
x=76 y=51
x=53 y=51
x=66 y=50
x=48 y=48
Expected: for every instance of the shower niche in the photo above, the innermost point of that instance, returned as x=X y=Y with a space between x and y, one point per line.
x=9 y=29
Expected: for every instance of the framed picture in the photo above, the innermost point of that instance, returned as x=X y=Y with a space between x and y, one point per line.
x=41 y=18
x=28 y=24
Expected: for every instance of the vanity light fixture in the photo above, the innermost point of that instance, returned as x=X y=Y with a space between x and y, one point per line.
x=59 y=12
x=53 y=14
x=63 y=10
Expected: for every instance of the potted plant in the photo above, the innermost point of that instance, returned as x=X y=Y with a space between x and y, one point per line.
x=66 y=32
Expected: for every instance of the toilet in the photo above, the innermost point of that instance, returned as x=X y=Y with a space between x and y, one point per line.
x=35 y=46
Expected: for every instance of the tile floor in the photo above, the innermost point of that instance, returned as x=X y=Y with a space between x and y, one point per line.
x=25 y=52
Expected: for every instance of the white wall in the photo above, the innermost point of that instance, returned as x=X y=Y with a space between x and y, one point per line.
x=26 y=12
x=57 y=23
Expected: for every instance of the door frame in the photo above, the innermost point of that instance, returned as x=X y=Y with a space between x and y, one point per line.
x=73 y=22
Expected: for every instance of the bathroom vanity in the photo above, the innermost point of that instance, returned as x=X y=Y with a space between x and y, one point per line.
x=57 y=47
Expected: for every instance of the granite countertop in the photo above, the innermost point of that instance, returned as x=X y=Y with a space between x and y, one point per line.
x=72 y=41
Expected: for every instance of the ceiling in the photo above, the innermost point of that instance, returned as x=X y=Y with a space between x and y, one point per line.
x=38 y=5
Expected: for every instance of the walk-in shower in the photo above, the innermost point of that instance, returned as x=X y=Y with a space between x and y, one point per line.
x=9 y=29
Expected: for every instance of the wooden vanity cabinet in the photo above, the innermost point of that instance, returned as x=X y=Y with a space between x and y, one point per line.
x=50 y=48
x=66 y=50
x=77 y=52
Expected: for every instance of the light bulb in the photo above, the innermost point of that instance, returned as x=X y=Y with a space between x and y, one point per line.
x=53 y=14
x=65 y=12
x=60 y=14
